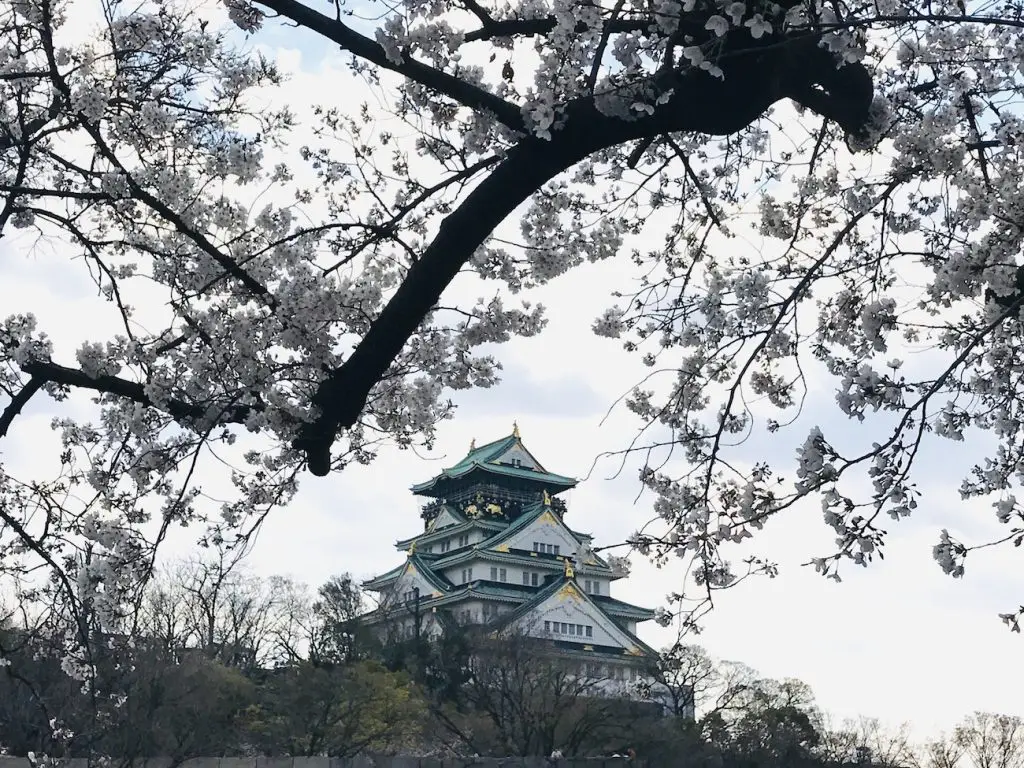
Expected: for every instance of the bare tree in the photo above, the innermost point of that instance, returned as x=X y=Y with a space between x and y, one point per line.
x=992 y=741
x=216 y=607
x=683 y=677
x=942 y=752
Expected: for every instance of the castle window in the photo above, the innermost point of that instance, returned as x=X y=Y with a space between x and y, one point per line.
x=502 y=574
x=467 y=575
x=446 y=545
x=547 y=626
x=590 y=630
x=517 y=463
x=572 y=629
x=534 y=578
x=565 y=628
x=463 y=540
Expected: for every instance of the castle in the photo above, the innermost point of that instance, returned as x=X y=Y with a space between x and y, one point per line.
x=496 y=552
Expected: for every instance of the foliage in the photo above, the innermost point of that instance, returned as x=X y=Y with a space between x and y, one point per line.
x=341 y=637
x=308 y=709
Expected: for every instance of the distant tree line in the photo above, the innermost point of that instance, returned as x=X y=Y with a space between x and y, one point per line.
x=217 y=661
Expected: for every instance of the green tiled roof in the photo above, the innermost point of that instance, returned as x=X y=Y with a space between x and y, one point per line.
x=436 y=580
x=432 y=536
x=478 y=552
x=486 y=453
x=394 y=573
x=611 y=605
x=485 y=457
x=428 y=573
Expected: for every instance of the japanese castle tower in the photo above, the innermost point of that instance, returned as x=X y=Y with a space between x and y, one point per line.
x=496 y=551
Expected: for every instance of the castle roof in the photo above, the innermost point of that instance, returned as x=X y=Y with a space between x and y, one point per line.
x=504 y=458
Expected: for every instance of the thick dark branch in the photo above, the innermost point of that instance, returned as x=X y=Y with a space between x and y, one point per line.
x=465 y=93
x=44 y=371
x=699 y=103
x=479 y=11
x=17 y=403
x=536 y=27
x=69 y=194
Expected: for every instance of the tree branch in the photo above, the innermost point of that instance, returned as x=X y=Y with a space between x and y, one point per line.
x=537 y=27
x=17 y=403
x=43 y=371
x=359 y=45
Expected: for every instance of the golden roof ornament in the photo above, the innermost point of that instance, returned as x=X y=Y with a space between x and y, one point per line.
x=547 y=498
x=515 y=429
x=412 y=548
x=472 y=445
x=570 y=572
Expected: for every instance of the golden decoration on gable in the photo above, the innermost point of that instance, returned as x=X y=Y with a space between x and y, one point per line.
x=494 y=509
x=515 y=429
x=473 y=510
x=570 y=573
x=547 y=498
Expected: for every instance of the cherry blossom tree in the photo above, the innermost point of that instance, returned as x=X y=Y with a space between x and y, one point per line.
x=798 y=184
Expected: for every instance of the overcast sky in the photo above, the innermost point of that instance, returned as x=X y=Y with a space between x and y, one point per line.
x=898 y=640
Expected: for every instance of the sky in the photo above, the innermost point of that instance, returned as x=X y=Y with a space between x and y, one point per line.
x=898 y=640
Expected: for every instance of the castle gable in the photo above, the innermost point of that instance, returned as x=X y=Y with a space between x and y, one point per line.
x=416 y=575
x=518 y=456
x=446 y=518
x=543 y=529
x=567 y=613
